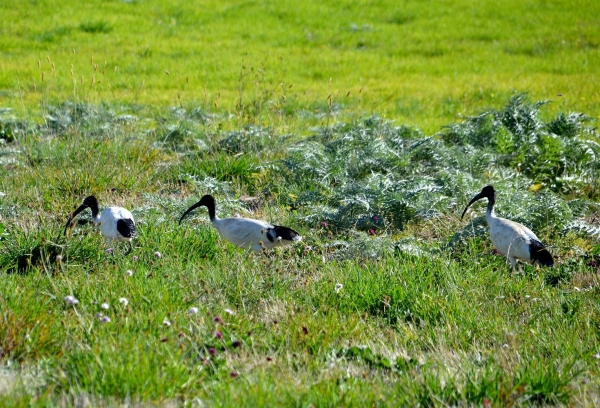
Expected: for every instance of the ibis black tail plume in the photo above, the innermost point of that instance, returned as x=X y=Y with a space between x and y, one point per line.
x=540 y=254
x=284 y=233
x=126 y=228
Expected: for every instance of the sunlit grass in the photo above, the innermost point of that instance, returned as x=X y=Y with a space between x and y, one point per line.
x=341 y=120
x=421 y=64
x=389 y=297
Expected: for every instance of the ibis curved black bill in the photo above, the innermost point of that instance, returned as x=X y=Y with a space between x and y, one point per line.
x=486 y=192
x=476 y=198
x=189 y=210
x=208 y=201
x=90 y=202
x=73 y=215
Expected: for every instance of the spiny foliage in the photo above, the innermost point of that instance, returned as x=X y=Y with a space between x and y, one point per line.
x=369 y=176
x=10 y=126
x=96 y=121
x=376 y=177
x=561 y=154
x=363 y=176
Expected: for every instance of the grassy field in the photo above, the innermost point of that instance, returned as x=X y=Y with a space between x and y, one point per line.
x=390 y=299
x=420 y=63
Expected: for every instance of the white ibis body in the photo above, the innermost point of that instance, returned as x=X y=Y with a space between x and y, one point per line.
x=246 y=232
x=514 y=240
x=116 y=223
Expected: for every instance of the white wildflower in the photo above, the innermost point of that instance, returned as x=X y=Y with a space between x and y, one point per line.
x=104 y=306
x=72 y=300
x=338 y=287
x=193 y=310
x=124 y=301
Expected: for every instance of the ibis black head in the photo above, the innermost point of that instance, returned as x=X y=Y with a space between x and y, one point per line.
x=208 y=201
x=90 y=202
x=487 y=192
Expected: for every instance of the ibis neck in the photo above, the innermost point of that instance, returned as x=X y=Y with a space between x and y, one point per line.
x=95 y=211
x=490 y=208
x=212 y=213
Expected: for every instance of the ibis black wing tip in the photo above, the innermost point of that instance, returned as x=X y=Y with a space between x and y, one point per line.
x=126 y=228
x=287 y=233
x=545 y=258
x=540 y=254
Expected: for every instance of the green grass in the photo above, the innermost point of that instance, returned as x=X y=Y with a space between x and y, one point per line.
x=366 y=127
x=390 y=299
x=420 y=63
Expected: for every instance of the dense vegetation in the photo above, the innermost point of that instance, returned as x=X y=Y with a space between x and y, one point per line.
x=389 y=298
x=366 y=127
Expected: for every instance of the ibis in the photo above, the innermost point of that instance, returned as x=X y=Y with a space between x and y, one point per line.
x=246 y=232
x=514 y=240
x=116 y=223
